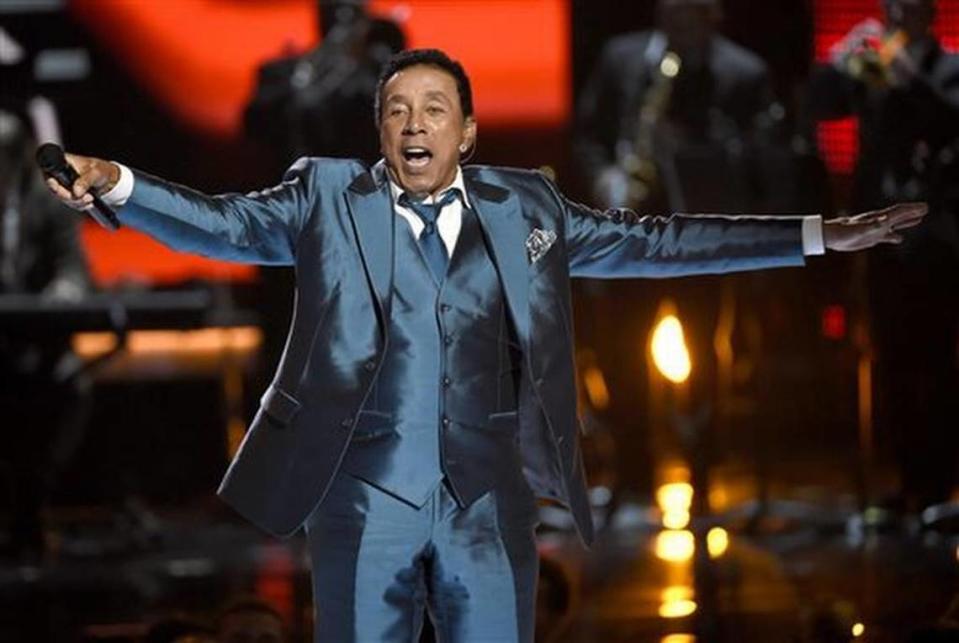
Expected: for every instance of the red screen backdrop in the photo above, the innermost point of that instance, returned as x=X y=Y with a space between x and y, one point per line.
x=833 y=19
x=198 y=59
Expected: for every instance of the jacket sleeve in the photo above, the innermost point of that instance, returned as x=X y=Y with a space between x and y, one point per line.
x=260 y=227
x=620 y=243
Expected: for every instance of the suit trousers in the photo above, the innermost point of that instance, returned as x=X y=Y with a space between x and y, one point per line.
x=381 y=564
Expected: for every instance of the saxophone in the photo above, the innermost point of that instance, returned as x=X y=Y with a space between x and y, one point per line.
x=638 y=160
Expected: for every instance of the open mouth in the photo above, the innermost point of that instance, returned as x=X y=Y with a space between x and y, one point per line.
x=417 y=156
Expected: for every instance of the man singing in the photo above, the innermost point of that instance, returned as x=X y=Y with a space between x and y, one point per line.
x=426 y=394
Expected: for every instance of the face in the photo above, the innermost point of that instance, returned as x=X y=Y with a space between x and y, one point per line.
x=423 y=130
x=689 y=26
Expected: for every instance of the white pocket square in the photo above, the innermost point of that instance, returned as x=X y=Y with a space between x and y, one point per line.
x=538 y=243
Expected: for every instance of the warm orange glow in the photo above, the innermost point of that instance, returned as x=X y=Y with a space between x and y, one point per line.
x=143 y=342
x=674 y=500
x=677 y=602
x=128 y=255
x=675 y=546
x=858 y=630
x=718 y=497
x=717 y=542
x=670 y=354
x=596 y=388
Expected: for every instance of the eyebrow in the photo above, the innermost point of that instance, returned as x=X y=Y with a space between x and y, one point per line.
x=431 y=95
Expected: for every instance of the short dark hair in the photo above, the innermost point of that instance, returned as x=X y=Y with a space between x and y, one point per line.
x=433 y=58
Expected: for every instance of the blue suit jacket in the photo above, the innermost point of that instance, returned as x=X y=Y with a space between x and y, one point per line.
x=333 y=221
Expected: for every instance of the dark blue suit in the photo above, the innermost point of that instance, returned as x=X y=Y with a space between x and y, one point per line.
x=333 y=220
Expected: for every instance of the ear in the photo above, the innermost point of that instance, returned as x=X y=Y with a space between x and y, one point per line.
x=468 y=139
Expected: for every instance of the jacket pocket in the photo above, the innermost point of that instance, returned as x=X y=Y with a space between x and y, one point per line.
x=372 y=425
x=506 y=422
x=281 y=406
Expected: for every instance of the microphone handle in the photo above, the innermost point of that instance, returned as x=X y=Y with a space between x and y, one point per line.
x=104 y=214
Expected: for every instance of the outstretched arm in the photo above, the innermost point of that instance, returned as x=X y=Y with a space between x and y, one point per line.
x=621 y=243
x=260 y=227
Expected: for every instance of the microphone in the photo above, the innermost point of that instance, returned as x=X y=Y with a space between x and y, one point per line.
x=53 y=163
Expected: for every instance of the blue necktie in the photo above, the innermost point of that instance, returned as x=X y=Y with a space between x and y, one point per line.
x=430 y=241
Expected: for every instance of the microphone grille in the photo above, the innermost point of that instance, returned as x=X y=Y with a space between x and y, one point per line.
x=50 y=157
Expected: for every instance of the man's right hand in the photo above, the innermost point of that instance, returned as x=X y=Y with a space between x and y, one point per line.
x=95 y=176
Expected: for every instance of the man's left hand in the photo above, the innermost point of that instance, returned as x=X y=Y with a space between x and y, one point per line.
x=848 y=234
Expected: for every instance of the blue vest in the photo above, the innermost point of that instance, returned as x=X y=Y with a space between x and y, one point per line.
x=444 y=403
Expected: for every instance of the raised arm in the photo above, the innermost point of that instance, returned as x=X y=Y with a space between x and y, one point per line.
x=259 y=227
x=620 y=243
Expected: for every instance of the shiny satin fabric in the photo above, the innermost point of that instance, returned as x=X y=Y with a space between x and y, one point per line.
x=333 y=220
x=381 y=565
x=450 y=355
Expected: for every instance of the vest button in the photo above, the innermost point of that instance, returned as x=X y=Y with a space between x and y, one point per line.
x=446 y=421
x=370 y=366
x=447 y=381
x=444 y=308
x=448 y=340
x=347 y=423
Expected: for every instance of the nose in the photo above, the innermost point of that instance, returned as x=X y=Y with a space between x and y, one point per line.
x=414 y=123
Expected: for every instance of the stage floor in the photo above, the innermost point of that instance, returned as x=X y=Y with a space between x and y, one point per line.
x=811 y=577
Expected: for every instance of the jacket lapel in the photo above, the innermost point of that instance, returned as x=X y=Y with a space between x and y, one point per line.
x=371 y=209
x=501 y=218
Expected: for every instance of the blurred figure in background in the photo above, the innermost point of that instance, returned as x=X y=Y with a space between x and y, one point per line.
x=319 y=103
x=662 y=105
x=43 y=399
x=903 y=86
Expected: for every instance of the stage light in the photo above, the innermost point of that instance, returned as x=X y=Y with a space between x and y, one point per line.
x=675 y=546
x=670 y=354
x=717 y=542
x=677 y=602
x=674 y=500
x=858 y=630
x=596 y=389
x=678 y=638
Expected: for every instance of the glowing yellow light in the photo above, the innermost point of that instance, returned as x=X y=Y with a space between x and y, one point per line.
x=675 y=546
x=676 y=520
x=677 y=602
x=674 y=500
x=674 y=496
x=596 y=388
x=678 y=638
x=717 y=542
x=858 y=630
x=670 y=65
x=669 y=350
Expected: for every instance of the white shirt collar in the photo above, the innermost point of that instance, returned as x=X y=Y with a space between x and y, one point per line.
x=396 y=191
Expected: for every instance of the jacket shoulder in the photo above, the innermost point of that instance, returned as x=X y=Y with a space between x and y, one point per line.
x=626 y=47
x=738 y=60
x=327 y=171
x=511 y=178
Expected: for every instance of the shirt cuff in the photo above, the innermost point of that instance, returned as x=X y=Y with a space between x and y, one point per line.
x=119 y=193
x=812 y=239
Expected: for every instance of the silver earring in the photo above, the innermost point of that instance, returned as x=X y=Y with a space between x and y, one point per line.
x=463 y=148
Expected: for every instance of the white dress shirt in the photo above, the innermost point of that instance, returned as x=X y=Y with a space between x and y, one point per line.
x=450 y=219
